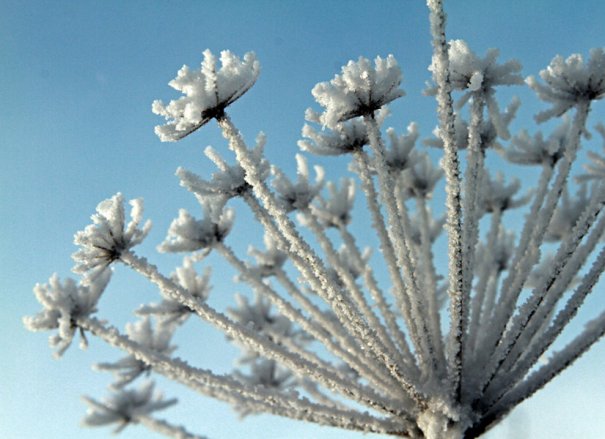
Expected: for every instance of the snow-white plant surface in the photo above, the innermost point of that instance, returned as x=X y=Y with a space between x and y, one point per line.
x=432 y=352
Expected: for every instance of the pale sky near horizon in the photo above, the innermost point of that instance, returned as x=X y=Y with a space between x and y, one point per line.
x=77 y=82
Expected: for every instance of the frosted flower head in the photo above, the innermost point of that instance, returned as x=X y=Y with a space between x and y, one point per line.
x=401 y=156
x=596 y=167
x=187 y=234
x=123 y=407
x=208 y=91
x=536 y=150
x=500 y=254
x=259 y=317
x=360 y=90
x=229 y=181
x=103 y=241
x=435 y=227
x=267 y=373
x=470 y=73
x=63 y=304
x=498 y=195
x=343 y=138
x=270 y=261
x=569 y=82
x=353 y=266
x=420 y=179
x=129 y=368
x=478 y=76
x=297 y=195
x=171 y=311
x=567 y=214
x=335 y=210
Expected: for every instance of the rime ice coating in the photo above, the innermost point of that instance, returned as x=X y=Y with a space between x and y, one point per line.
x=359 y=90
x=208 y=91
x=570 y=81
x=103 y=242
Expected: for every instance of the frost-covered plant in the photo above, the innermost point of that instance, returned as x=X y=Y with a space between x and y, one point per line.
x=323 y=340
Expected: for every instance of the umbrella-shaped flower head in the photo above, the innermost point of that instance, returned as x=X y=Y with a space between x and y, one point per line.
x=63 y=304
x=360 y=90
x=124 y=407
x=208 y=91
x=569 y=82
x=103 y=241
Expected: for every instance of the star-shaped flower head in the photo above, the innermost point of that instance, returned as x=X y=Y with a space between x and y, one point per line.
x=335 y=210
x=270 y=261
x=526 y=150
x=63 y=304
x=420 y=179
x=567 y=214
x=267 y=373
x=297 y=195
x=259 y=316
x=569 y=82
x=109 y=236
x=124 y=407
x=360 y=90
x=208 y=91
x=479 y=76
x=229 y=181
x=157 y=340
x=498 y=195
x=187 y=234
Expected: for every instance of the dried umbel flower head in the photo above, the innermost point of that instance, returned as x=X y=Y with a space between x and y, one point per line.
x=569 y=82
x=360 y=90
x=208 y=91
x=189 y=234
x=63 y=304
x=102 y=242
x=125 y=407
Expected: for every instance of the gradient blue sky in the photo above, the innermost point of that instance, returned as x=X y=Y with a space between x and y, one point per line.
x=77 y=82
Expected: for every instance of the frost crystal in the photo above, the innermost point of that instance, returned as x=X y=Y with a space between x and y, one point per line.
x=103 y=242
x=360 y=90
x=207 y=91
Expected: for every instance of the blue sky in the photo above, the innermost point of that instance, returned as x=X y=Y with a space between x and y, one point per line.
x=77 y=82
